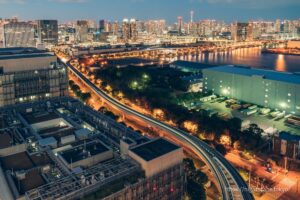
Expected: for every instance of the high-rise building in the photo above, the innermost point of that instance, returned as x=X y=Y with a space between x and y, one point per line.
x=192 y=16
x=102 y=25
x=20 y=34
x=179 y=24
x=129 y=30
x=115 y=28
x=47 y=31
x=82 y=31
x=156 y=27
x=242 y=32
x=30 y=76
x=278 y=26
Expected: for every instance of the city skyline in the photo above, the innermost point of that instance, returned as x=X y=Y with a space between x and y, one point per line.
x=227 y=10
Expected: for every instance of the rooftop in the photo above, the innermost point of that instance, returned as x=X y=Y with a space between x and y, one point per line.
x=21 y=56
x=19 y=161
x=289 y=137
x=18 y=50
x=154 y=149
x=83 y=151
x=38 y=117
x=192 y=65
x=266 y=74
x=5 y=140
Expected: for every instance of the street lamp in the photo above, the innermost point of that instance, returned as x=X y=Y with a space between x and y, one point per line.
x=225 y=91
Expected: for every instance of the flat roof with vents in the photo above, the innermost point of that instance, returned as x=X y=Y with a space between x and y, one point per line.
x=154 y=149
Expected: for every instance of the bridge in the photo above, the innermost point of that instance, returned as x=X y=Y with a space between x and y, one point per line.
x=171 y=52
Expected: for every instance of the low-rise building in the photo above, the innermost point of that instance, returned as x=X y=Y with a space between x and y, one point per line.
x=293 y=44
x=286 y=144
x=156 y=156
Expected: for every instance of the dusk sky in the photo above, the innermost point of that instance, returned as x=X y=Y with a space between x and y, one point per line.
x=228 y=10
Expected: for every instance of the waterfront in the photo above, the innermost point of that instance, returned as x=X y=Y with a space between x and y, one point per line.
x=249 y=57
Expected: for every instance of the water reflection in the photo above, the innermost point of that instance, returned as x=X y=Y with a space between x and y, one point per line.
x=250 y=57
x=280 y=63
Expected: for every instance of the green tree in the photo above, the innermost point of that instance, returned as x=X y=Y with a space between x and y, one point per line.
x=194 y=191
x=75 y=88
x=85 y=96
x=71 y=83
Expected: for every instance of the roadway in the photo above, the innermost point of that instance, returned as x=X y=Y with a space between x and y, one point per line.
x=231 y=183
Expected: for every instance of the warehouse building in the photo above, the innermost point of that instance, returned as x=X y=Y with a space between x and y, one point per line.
x=266 y=88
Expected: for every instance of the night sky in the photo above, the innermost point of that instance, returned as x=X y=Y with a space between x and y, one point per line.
x=227 y=10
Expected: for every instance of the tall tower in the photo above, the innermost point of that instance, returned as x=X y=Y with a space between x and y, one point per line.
x=179 y=24
x=192 y=16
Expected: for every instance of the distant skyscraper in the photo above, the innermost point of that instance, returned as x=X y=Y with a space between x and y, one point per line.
x=19 y=34
x=278 y=26
x=47 y=31
x=242 y=32
x=125 y=30
x=133 y=30
x=101 y=25
x=82 y=31
x=155 y=26
x=129 y=30
x=179 y=22
x=192 y=16
x=115 y=28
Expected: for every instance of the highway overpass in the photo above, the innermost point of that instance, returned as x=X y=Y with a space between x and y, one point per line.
x=231 y=184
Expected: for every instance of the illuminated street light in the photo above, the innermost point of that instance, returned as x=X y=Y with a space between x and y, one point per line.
x=283 y=105
x=145 y=76
x=225 y=91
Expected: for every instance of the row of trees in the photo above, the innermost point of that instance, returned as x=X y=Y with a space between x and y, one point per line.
x=83 y=96
x=162 y=88
x=196 y=181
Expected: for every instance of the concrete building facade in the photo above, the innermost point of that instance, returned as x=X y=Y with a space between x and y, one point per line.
x=20 y=34
x=266 y=88
x=30 y=76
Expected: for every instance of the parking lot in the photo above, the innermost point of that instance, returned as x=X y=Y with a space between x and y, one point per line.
x=265 y=121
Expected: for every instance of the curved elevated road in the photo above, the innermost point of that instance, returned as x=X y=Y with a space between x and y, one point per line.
x=231 y=183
